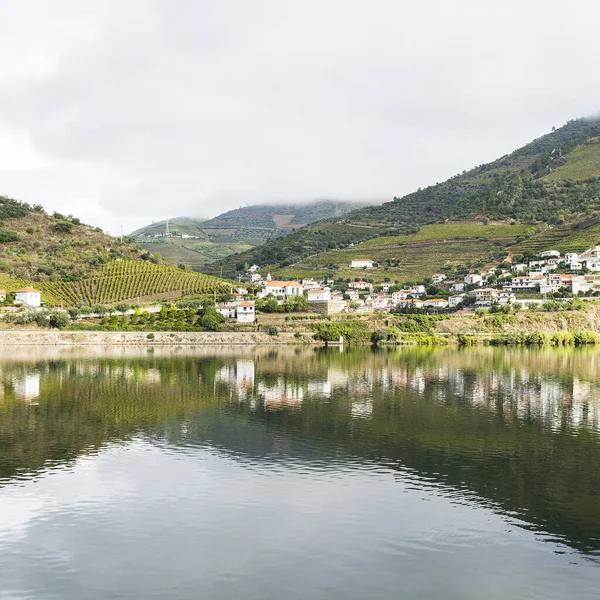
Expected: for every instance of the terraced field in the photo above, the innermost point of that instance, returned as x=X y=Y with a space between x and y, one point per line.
x=413 y=257
x=565 y=238
x=122 y=280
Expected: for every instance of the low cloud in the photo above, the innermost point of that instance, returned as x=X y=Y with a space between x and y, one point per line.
x=143 y=109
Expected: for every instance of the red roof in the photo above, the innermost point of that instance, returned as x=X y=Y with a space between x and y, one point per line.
x=28 y=289
x=246 y=304
x=2 y=292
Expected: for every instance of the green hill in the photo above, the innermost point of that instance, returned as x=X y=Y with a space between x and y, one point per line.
x=70 y=262
x=549 y=190
x=234 y=231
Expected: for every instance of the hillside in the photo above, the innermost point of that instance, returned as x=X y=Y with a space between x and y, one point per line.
x=70 y=262
x=234 y=231
x=551 y=187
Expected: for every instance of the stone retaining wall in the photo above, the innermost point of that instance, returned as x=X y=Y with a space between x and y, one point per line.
x=17 y=338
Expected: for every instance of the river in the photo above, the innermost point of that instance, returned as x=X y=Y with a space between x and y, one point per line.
x=287 y=473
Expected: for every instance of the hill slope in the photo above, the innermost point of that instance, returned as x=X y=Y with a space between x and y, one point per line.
x=234 y=231
x=552 y=182
x=70 y=262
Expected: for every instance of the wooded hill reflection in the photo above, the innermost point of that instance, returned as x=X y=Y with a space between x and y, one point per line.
x=518 y=429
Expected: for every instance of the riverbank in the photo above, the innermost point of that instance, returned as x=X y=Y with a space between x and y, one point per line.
x=37 y=337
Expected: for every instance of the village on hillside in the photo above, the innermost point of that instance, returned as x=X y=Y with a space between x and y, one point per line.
x=550 y=276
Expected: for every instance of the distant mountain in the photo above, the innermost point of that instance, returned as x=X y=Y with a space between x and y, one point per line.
x=552 y=182
x=234 y=231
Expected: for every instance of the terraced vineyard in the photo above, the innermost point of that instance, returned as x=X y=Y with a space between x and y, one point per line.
x=129 y=279
x=414 y=257
x=573 y=237
x=122 y=280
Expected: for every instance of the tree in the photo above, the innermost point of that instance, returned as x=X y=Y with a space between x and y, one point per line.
x=122 y=307
x=58 y=319
x=63 y=227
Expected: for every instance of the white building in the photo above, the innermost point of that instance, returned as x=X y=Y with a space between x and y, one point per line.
x=435 y=303
x=458 y=287
x=518 y=267
x=473 y=279
x=2 y=295
x=253 y=269
x=255 y=277
x=456 y=300
x=228 y=311
x=360 y=285
x=438 y=278
x=245 y=312
x=319 y=295
x=359 y=263
x=29 y=296
x=550 y=254
x=417 y=290
x=282 y=289
x=506 y=298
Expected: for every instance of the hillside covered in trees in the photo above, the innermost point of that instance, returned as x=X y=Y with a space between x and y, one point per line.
x=552 y=182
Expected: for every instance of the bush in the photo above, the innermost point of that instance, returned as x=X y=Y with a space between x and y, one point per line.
x=63 y=227
x=58 y=319
x=150 y=336
x=272 y=330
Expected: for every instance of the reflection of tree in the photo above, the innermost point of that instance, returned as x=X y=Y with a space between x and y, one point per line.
x=515 y=427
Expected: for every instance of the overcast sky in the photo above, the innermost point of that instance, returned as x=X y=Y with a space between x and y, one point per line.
x=124 y=112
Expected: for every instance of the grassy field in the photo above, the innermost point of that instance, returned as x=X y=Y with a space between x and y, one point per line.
x=582 y=163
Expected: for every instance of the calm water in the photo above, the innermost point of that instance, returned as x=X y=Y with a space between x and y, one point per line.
x=285 y=473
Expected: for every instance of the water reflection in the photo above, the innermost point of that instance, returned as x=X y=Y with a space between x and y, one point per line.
x=515 y=432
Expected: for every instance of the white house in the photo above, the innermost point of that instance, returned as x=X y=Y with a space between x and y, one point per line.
x=228 y=311
x=319 y=295
x=506 y=298
x=255 y=277
x=399 y=296
x=359 y=263
x=438 y=278
x=485 y=296
x=456 y=300
x=282 y=289
x=253 y=269
x=2 y=295
x=518 y=267
x=29 y=296
x=310 y=284
x=360 y=285
x=417 y=290
x=353 y=294
x=473 y=279
x=458 y=287
x=245 y=312
x=435 y=303
x=550 y=254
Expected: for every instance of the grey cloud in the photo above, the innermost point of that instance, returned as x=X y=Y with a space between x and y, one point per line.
x=197 y=107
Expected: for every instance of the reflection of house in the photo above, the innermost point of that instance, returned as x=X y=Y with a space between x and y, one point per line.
x=281 y=394
x=28 y=387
